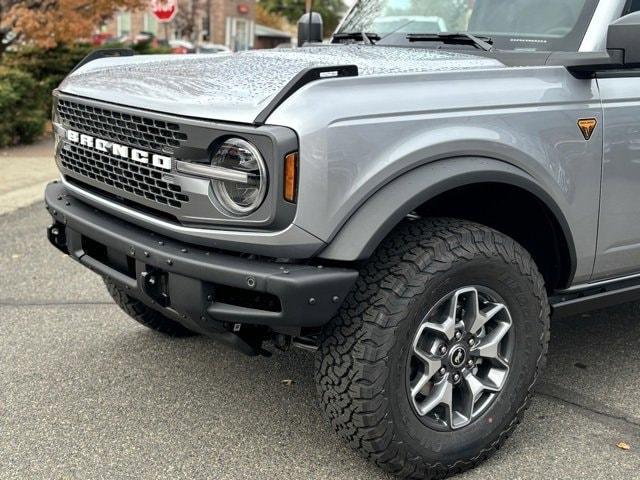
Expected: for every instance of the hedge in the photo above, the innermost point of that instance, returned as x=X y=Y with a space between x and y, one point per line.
x=35 y=73
x=23 y=118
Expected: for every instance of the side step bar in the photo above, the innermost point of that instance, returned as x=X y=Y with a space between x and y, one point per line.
x=565 y=304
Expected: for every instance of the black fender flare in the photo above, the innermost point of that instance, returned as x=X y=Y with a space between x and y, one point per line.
x=365 y=229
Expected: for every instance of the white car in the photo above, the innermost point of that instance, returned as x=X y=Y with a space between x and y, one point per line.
x=212 y=48
x=412 y=24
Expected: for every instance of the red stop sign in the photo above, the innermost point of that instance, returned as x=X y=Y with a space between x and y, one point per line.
x=164 y=10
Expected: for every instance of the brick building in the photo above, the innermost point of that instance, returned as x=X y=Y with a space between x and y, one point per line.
x=226 y=22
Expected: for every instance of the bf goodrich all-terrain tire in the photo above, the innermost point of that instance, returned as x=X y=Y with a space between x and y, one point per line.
x=430 y=363
x=146 y=316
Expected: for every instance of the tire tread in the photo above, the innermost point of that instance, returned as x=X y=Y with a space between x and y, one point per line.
x=351 y=364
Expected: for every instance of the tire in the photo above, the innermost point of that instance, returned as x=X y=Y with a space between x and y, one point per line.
x=366 y=358
x=146 y=316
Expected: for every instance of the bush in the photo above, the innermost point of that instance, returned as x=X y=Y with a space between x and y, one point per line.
x=47 y=67
x=42 y=70
x=23 y=118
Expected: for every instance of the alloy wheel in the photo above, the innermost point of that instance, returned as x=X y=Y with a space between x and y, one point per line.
x=460 y=358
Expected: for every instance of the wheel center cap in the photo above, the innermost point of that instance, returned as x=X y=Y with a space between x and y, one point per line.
x=458 y=356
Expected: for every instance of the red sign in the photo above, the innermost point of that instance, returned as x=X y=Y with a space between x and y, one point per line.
x=243 y=8
x=164 y=10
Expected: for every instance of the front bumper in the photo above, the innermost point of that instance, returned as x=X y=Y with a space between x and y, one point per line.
x=206 y=290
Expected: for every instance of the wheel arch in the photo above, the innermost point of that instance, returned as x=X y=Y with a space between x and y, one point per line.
x=420 y=188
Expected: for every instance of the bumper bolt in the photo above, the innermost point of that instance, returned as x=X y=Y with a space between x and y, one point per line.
x=251 y=282
x=184 y=250
x=169 y=262
x=312 y=301
x=152 y=280
x=335 y=299
x=161 y=243
x=55 y=232
x=146 y=254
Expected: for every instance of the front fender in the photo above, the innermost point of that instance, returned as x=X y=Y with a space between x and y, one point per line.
x=377 y=217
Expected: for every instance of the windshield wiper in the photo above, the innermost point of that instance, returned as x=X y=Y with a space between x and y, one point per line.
x=484 y=43
x=366 y=37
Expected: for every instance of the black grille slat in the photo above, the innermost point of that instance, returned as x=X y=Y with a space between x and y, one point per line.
x=144 y=182
x=147 y=133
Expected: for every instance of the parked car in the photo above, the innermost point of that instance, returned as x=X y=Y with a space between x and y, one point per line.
x=182 y=46
x=212 y=48
x=412 y=206
x=408 y=24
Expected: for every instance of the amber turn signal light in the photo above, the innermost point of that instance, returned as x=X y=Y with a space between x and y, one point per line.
x=291 y=177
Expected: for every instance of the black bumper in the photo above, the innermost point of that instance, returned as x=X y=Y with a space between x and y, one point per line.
x=206 y=290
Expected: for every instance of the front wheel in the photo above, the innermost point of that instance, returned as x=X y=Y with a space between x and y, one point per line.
x=430 y=363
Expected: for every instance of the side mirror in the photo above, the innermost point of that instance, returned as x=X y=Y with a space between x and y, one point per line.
x=624 y=37
x=310 y=28
x=623 y=51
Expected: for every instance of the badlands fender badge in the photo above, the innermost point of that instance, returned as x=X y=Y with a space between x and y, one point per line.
x=587 y=127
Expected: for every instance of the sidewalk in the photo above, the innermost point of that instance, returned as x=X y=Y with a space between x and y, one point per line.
x=24 y=171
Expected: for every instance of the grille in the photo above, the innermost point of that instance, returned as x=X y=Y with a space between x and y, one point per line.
x=134 y=130
x=144 y=181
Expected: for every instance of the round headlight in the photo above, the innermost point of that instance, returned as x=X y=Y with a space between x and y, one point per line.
x=246 y=186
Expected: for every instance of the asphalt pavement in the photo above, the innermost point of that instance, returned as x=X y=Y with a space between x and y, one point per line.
x=86 y=393
x=24 y=171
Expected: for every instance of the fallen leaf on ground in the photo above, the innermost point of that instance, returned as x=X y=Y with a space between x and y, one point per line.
x=623 y=446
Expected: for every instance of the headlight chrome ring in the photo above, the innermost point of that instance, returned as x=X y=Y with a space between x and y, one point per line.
x=245 y=186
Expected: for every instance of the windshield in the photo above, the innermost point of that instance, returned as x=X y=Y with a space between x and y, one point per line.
x=533 y=25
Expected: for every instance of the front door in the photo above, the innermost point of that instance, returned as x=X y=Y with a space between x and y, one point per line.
x=239 y=34
x=618 y=250
x=619 y=226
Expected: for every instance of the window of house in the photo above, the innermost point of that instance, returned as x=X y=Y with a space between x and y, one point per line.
x=123 y=24
x=150 y=24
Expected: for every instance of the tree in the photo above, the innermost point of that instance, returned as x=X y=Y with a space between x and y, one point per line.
x=188 y=20
x=292 y=10
x=268 y=19
x=47 y=23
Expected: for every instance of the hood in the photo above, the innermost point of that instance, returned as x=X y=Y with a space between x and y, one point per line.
x=238 y=87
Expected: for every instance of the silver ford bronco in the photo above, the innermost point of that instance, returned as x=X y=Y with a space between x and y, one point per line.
x=412 y=200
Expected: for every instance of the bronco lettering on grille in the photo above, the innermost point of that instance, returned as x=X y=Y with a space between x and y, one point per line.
x=119 y=150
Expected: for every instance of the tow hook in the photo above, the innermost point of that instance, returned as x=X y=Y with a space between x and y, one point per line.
x=57 y=237
x=155 y=285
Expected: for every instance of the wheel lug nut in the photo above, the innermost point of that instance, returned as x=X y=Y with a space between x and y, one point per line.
x=470 y=363
x=442 y=371
x=472 y=342
x=456 y=377
x=458 y=335
x=443 y=350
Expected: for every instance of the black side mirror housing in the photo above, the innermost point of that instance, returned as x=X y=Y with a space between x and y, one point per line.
x=623 y=51
x=310 y=28
x=624 y=36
